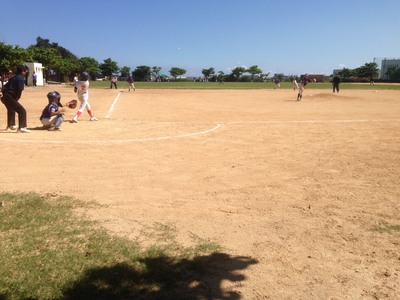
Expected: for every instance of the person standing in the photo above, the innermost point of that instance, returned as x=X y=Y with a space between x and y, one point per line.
x=277 y=83
x=295 y=84
x=131 y=84
x=113 y=82
x=335 y=83
x=12 y=92
x=371 y=80
x=81 y=88
x=34 y=79
x=303 y=82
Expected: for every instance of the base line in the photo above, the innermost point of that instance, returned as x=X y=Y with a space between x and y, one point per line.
x=112 y=105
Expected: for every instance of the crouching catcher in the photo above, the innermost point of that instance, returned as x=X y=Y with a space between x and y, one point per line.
x=53 y=114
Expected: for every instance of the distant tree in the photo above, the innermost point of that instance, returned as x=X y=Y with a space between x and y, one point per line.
x=175 y=72
x=142 y=73
x=393 y=73
x=346 y=73
x=208 y=72
x=237 y=72
x=366 y=71
x=254 y=70
x=109 y=67
x=125 y=71
x=155 y=71
x=11 y=56
x=280 y=76
x=52 y=62
x=89 y=65
x=64 y=53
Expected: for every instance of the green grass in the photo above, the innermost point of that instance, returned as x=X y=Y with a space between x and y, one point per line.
x=48 y=252
x=238 y=85
x=387 y=228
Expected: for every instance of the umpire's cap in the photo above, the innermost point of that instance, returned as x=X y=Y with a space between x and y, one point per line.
x=22 y=68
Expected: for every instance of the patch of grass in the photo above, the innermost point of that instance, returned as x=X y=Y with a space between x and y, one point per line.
x=48 y=252
x=385 y=227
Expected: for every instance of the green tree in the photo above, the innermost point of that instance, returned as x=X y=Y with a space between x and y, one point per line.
x=61 y=51
x=175 y=72
x=155 y=71
x=46 y=56
x=142 y=73
x=208 y=72
x=125 y=71
x=109 y=67
x=58 y=62
x=11 y=56
x=89 y=65
x=237 y=72
x=254 y=70
x=393 y=73
x=346 y=73
x=366 y=71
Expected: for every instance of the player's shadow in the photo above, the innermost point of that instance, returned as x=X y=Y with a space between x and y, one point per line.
x=163 y=278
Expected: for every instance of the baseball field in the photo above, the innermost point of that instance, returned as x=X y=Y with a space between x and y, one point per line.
x=307 y=192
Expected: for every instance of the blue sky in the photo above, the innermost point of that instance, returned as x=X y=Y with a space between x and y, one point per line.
x=280 y=36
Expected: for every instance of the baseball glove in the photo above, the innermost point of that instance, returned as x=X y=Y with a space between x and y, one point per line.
x=72 y=103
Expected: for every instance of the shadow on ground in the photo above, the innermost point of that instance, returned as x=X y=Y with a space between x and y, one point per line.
x=163 y=278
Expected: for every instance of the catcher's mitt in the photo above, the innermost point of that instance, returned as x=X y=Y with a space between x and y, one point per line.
x=72 y=103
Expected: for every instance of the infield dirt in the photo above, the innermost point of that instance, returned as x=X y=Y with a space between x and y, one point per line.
x=298 y=188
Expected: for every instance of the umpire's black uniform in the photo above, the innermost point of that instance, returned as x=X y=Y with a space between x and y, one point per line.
x=11 y=94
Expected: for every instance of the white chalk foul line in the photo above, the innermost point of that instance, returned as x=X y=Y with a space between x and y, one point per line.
x=161 y=138
x=113 y=105
x=308 y=121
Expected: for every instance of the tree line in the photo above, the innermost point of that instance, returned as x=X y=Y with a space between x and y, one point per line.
x=62 y=65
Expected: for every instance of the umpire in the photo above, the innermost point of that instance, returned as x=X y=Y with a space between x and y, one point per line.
x=12 y=92
x=335 y=83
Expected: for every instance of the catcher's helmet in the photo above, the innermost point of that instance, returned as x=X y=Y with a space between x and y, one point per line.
x=54 y=95
x=84 y=76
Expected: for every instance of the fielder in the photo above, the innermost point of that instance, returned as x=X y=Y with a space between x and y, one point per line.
x=295 y=84
x=131 y=84
x=81 y=88
x=302 y=86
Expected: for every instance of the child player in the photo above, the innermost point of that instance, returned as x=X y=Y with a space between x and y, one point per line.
x=81 y=87
x=53 y=114
x=303 y=83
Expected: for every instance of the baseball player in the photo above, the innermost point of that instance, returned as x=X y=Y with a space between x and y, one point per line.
x=131 y=84
x=81 y=87
x=336 y=83
x=53 y=114
x=295 y=84
x=302 y=86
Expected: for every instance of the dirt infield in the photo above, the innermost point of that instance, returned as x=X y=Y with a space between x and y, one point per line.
x=301 y=187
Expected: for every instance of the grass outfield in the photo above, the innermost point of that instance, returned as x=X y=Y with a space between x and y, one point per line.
x=240 y=85
x=48 y=252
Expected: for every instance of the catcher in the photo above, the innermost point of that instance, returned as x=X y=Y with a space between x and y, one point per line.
x=53 y=114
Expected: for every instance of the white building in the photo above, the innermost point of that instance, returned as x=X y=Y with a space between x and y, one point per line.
x=38 y=69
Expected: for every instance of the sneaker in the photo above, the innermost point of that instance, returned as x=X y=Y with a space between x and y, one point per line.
x=74 y=120
x=13 y=127
x=93 y=119
x=24 y=130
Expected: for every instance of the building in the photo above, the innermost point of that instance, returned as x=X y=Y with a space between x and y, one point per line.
x=386 y=64
x=38 y=69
